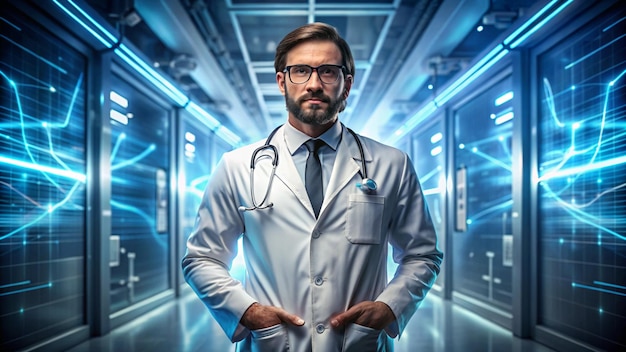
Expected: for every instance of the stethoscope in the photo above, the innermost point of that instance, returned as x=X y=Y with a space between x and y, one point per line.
x=366 y=185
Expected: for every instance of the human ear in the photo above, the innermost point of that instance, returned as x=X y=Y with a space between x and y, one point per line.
x=347 y=86
x=280 y=80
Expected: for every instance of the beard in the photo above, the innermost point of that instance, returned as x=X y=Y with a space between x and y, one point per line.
x=315 y=115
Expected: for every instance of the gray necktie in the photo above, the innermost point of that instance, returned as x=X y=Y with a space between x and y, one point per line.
x=313 y=175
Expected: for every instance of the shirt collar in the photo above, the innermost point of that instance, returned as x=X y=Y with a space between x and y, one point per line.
x=294 y=138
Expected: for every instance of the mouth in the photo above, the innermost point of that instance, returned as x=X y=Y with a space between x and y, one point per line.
x=315 y=100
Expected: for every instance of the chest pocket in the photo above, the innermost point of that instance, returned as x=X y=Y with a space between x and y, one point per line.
x=364 y=218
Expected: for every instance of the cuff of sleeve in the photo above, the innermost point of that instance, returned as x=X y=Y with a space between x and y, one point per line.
x=393 y=329
x=399 y=311
x=238 y=332
x=241 y=332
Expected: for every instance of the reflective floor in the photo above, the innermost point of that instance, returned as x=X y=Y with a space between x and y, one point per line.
x=185 y=325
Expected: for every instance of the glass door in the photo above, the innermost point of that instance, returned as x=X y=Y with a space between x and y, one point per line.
x=483 y=241
x=140 y=167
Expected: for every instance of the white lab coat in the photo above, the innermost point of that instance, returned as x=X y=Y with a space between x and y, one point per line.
x=313 y=268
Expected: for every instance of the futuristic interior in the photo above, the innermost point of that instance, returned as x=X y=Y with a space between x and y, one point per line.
x=115 y=113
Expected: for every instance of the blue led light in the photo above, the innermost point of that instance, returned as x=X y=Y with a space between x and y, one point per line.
x=436 y=150
x=227 y=135
x=508 y=96
x=416 y=119
x=508 y=116
x=84 y=25
x=98 y=31
x=532 y=31
x=118 y=99
x=203 y=115
x=436 y=137
x=490 y=59
x=118 y=116
x=147 y=71
x=95 y=23
x=458 y=87
x=527 y=24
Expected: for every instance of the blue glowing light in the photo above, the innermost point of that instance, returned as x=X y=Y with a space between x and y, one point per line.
x=436 y=137
x=504 y=118
x=203 y=116
x=118 y=116
x=528 y=23
x=491 y=58
x=105 y=37
x=436 y=150
x=508 y=96
x=43 y=168
x=118 y=99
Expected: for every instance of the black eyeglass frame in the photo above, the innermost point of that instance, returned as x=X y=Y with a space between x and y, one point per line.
x=287 y=70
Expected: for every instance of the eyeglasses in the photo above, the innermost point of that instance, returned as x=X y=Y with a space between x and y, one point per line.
x=299 y=74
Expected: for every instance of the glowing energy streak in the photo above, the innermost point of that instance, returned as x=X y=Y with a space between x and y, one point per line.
x=162 y=241
x=135 y=159
x=27 y=289
x=46 y=169
x=574 y=284
x=50 y=210
x=583 y=168
x=491 y=159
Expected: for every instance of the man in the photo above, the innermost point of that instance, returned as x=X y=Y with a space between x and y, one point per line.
x=316 y=269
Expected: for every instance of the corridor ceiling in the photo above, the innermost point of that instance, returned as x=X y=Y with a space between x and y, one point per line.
x=221 y=52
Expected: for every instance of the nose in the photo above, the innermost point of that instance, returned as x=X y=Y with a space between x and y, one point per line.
x=314 y=83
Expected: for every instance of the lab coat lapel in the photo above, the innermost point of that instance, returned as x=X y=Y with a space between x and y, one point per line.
x=287 y=173
x=347 y=164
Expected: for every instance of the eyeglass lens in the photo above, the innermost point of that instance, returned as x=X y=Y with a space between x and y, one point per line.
x=302 y=73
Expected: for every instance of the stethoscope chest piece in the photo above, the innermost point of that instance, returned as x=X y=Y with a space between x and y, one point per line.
x=367 y=185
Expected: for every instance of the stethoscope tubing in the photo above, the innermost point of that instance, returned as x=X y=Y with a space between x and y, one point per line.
x=366 y=185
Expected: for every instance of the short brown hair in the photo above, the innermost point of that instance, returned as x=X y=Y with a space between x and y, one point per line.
x=309 y=32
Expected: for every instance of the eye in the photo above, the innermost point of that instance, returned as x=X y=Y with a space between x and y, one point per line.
x=328 y=70
x=300 y=70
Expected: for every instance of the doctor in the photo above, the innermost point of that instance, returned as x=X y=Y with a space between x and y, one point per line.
x=315 y=219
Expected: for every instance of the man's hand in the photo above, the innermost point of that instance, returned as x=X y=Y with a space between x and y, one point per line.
x=259 y=317
x=375 y=315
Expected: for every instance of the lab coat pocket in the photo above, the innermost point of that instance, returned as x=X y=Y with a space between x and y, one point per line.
x=364 y=218
x=359 y=338
x=273 y=338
